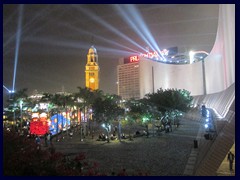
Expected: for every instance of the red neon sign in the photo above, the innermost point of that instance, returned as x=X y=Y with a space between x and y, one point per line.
x=134 y=58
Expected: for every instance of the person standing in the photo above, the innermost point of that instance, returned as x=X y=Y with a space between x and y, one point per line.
x=231 y=160
x=71 y=134
x=48 y=139
x=45 y=139
x=38 y=142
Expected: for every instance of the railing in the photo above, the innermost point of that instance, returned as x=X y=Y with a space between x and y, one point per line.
x=213 y=152
x=223 y=107
x=219 y=102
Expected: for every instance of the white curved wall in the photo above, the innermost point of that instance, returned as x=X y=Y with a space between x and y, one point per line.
x=219 y=65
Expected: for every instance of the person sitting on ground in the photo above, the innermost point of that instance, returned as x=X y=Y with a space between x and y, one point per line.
x=71 y=134
x=144 y=132
x=123 y=136
x=104 y=137
x=113 y=136
x=99 y=137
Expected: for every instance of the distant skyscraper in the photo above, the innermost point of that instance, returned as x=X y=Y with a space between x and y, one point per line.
x=92 y=69
x=128 y=79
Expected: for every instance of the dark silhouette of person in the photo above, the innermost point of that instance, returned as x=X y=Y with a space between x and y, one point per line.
x=231 y=160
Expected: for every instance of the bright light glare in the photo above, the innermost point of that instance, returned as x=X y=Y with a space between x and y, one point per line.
x=206 y=125
x=191 y=56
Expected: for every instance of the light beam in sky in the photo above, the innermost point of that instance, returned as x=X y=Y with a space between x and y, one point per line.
x=18 y=38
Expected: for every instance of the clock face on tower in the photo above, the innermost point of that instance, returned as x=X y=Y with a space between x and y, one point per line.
x=92 y=80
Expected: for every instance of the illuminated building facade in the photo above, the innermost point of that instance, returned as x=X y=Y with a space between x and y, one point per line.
x=138 y=76
x=145 y=73
x=92 y=69
x=128 y=79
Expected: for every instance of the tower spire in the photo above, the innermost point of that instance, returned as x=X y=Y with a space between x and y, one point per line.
x=92 y=40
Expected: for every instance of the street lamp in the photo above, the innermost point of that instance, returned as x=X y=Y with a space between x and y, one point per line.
x=108 y=129
x=21 y=103
x=81 y=139
x=204 y=77
x=202 y=58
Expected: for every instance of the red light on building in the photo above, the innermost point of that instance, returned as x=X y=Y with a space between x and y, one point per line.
x=134 y=58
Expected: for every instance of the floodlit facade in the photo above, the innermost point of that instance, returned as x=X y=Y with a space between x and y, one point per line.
x=92 y=69
x=136 y=79
x=128 y=80
x=139 y=75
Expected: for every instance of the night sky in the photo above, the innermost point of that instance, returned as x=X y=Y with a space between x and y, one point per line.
x=54 y=40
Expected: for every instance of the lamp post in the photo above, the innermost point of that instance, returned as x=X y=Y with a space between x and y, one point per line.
x=202 y=58
x=204 y=77
x=107 y=126
x=81 y=139
x=119 y=129
x=21 y=103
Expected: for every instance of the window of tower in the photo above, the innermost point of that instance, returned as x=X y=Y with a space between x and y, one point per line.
x=91 y=74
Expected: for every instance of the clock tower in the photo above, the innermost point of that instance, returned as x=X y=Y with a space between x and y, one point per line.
x=92 y=69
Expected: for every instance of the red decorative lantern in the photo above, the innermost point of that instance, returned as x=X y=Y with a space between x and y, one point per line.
x=39 y=124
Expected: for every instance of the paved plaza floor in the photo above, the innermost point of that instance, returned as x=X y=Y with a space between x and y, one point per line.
x=167 y=154
x=163 y=155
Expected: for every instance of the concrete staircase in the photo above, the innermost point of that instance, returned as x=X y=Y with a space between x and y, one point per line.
x=213 y=152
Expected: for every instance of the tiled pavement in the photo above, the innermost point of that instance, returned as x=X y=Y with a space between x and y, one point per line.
x=166 y=154
x=170 y=154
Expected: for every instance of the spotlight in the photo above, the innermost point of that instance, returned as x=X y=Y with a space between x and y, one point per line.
x=206 y=126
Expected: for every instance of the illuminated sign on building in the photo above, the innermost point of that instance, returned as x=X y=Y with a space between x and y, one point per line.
x=150 y=55
x=154 y=55
x=134 y=58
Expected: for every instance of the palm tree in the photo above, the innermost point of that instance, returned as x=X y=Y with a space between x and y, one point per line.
x=58 y=100
x=18 y=102
x=68 y=106
x=85 y=95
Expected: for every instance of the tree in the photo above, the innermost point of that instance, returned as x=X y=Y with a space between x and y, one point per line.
x=17 y=103
x=86 y=96
x=59 y=101
x=107 y=109
x=139 y=112
x=170 y=100
x=171 y=103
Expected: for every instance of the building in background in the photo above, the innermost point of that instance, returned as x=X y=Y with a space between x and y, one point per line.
x=145 y=73
x=92 y=69
x=128 y=78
